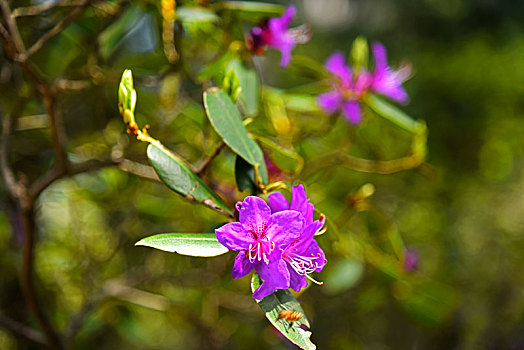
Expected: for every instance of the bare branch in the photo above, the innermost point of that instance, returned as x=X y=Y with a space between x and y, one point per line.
x=11 y=25
x=39 y=9
x=60 y=26
x=209 y=159
x=22 y=330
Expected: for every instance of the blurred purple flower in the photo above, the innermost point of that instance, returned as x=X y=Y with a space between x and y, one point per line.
x=303 y=256
x=348 y=89
x=274 y=33
x=261 y=237
x=384 y=80
x=411 y=259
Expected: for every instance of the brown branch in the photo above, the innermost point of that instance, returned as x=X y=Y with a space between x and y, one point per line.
x=209 y=159
x=11 y=25
x=22 y=330
x=57 y=29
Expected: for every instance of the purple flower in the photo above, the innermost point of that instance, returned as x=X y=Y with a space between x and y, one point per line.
x=274 y=33
x=386 y=81
x=411 y=259
x=260 y=237
x=348 y=89
x=303 y=256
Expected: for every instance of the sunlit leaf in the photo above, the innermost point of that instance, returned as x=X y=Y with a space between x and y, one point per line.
x=279 y=301
x=192 y=244
x=226 y=120
x=195 y=14
x=391 y=113
x=251 y=11
x=178 y=176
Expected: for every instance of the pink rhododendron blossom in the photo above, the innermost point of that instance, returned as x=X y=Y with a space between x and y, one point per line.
x=348 y=88
x=261 y=237
x=303 y=256
x=275 y=33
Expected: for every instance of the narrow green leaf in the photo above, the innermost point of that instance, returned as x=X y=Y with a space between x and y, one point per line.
x=248 y=80
x=177 y=175
x=392 y=113
x=195 y=15
x=281 y=300
x=251 y=11
x=192 y=244
x=226 y=120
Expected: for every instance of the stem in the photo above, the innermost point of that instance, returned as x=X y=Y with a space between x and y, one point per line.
x=22 y=330
x=209 y=159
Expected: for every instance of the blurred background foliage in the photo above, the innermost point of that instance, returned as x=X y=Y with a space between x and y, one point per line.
x=462 y=213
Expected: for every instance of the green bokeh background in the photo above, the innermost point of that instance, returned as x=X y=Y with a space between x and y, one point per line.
x=464 y=215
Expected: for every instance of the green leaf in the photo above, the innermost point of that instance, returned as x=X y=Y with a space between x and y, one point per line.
x=192 y=244
x=307 y=67
x=226 y=120
x=392 y=113
x=195 y=15
x=112 y=37
x=248 y=80
x=286 y=159
x=244 y=175
x=281 y=300
x=177 y=175
x=250 y=11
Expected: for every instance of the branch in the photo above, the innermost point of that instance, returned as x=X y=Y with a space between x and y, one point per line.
x=208 y=160
x=16 y=190
x=60 y=26
x=37 y=10
x=11 y=25
x=22 y=330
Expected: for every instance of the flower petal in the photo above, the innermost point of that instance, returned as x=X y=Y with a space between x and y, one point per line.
x=299 y=200
x=303 y=242
x=296 y=281
x=379 y=52
x=254 y=212
x=352 y=112
x=336 y=65
x=275 y=276
x=385 y=81
x=234 y=236
x=284 y=227
x=242 y=265
x=330 y=101
x=277 y=202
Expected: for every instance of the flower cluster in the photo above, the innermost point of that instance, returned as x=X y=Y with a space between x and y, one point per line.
x=349 y=88
x=274 y=33
x=277 y=240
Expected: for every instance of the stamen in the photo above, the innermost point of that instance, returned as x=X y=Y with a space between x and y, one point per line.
x=313 y=280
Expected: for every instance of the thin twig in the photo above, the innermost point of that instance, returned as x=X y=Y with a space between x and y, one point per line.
x=209 y=159
x=60 y=26
x=15 y=189
x=22 y=330
x=39 y=9
x=11 y=25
